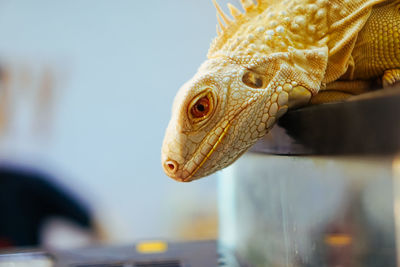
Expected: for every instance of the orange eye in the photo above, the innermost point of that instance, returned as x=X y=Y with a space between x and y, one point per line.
x=201 y=108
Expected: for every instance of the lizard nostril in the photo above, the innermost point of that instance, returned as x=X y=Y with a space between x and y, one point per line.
x=171 y=166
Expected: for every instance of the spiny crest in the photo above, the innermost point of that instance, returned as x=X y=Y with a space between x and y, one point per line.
x=269 y=26
x=246 y=4
x=226 y=25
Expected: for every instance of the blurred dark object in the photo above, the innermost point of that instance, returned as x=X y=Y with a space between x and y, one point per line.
x=27 y=200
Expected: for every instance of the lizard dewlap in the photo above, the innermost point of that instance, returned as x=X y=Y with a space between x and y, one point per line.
x=274 y=56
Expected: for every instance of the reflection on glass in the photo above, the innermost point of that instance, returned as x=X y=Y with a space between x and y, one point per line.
x=309 y=211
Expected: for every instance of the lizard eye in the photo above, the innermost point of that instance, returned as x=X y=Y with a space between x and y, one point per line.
x=253 y=79
x=201 y=106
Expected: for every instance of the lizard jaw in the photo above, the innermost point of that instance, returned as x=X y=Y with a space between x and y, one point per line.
x=195 y=163
x=220 y=138
x=192 y=166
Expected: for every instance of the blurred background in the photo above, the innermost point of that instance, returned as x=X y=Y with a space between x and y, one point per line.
x=86 y=89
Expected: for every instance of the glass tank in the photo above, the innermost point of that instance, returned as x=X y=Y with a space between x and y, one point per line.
x=309 y=211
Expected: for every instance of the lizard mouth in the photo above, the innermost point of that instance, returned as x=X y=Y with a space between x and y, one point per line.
x=210 y=152
x=202 y=160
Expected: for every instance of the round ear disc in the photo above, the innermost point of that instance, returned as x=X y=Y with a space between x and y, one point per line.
x=253 y=80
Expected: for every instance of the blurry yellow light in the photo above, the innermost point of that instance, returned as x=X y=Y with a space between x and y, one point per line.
x=338 y=239
x=152 y=247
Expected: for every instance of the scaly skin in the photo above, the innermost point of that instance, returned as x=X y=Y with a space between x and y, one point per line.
x=277 y=55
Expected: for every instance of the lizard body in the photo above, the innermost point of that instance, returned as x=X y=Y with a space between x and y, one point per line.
x=275 y=56
x=375 y=53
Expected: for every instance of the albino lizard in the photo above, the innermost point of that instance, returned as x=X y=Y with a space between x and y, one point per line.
x=275 y=56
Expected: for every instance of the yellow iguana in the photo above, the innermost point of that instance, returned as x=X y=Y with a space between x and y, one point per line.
x=277 y=55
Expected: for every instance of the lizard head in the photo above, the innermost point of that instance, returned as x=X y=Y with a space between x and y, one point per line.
x=236 y=95
x=217 y=116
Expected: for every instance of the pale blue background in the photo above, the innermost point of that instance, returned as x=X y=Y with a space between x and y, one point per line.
x=118 y=65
